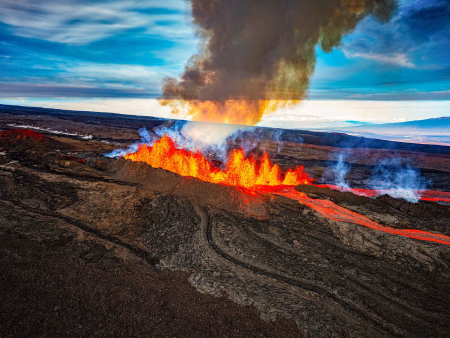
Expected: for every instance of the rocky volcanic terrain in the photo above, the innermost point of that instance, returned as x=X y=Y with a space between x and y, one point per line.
x=93 y=246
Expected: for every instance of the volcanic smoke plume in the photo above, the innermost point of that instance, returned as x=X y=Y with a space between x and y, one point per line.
x=258 y=55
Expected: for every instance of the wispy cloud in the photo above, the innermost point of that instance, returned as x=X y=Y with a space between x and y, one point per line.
x=82 y=22
x=15 y=89
x=148 y=31
x=415 y=38
x=135 y=75
x=399 y=59
x=89 y=79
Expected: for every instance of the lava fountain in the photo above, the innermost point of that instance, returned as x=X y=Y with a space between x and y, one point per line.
x=240 y=171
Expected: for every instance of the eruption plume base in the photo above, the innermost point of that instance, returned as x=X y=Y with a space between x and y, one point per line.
x=246 y=112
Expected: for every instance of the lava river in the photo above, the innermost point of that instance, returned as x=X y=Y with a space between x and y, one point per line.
x=263 y=177
x=424 y=195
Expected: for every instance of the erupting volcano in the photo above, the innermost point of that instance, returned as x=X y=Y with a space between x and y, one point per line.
x=273 y=184
x=240 y=171
x=264 y=177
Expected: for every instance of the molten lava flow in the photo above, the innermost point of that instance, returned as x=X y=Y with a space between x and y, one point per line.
x=340 y=214
x=434 y=196
x=424 y=195
x=240 y=171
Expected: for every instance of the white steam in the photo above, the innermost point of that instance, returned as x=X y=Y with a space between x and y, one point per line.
x=390 y=177
x=393 y=178
x=339 y=171
x=211 y=139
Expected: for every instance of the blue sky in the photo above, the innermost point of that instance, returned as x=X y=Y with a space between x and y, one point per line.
x=54 y=51
x=92 y=48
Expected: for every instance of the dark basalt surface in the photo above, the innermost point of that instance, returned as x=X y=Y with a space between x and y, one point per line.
x=91 y=246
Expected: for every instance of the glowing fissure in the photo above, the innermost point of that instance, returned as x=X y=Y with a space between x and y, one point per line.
x=263 y=177
x=424 y=195
x=240 y=171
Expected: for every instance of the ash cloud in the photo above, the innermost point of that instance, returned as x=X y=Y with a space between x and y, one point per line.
x=259 y=50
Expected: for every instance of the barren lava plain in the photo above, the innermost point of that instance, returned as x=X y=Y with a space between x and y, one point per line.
x=93 y=246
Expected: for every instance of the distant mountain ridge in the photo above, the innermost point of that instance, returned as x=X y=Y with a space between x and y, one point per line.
x=424 y=126
x=430 y=131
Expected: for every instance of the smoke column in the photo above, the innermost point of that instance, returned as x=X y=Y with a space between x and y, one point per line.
x=340 y=171
x=258 y=55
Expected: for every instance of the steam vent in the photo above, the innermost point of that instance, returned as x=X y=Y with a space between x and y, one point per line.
x=225 y=168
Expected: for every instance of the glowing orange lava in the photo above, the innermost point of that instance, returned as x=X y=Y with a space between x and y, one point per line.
x=240 y=171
